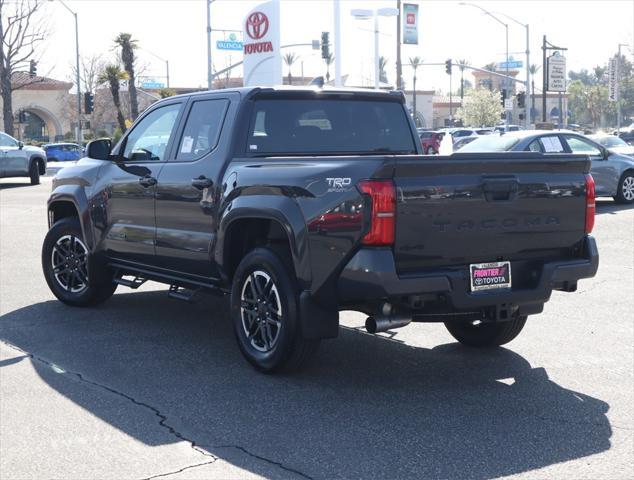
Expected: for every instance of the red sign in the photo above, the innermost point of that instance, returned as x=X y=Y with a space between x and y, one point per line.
x=257 y=25
x=411 y=19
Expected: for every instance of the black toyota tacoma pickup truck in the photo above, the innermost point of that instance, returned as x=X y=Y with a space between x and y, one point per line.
x=300 y=203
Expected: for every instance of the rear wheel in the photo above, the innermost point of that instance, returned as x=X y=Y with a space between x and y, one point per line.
x=34 y=173
x=265 y=314
x=72 y=275
x=625 y=192
x=486 y=334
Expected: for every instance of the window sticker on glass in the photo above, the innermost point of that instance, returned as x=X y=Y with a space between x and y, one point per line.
x=188 y=143
x=552 y=145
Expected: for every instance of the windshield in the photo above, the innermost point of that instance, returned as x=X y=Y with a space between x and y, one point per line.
x=612 y=142
x=491 y=143
x=329 y=126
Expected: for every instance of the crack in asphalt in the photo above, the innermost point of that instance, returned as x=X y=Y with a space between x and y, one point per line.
x=162 y=420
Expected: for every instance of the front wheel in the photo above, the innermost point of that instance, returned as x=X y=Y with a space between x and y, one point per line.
x=481 y=334
x=265 y=314
x=72 y=275
x=625 y=192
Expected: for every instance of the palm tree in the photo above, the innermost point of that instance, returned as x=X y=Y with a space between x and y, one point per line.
x=462 y=64
x=329 y=60
x=415 y=63
x=533 y=69
x=111 y=75
x=383 y=61
x=289 y=60
x=491 y=67
x=128 y=45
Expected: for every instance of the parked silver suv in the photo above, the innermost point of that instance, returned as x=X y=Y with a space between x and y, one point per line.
x=18 y=160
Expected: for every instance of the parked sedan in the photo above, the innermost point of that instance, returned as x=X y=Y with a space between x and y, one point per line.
x=614 y=144
x=462 y=141
x=18 y=160
x=613 y=172
x=62 y=152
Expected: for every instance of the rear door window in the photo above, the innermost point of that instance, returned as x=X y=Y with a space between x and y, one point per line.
x=329 y=126
x=202 y=129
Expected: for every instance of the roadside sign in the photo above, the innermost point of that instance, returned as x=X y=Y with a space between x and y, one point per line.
x=231 y=43
x=556 y=73
x=410 y=24
x=508 y=104
x=511 y=64
x=124 y=85
x=612 y=80
x=152 y=85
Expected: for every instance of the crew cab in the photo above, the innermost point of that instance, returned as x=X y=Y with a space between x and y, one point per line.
x=297 y=203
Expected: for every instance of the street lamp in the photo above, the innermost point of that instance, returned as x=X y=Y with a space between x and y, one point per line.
x=79 y=135
x=209 y=73
x=167 y=66
x=506 y=26
x=366 y=14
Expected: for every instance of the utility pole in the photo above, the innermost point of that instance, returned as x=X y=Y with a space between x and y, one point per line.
x=209 y=73
x=399 y=66
x=337 y=17
x=618 y=88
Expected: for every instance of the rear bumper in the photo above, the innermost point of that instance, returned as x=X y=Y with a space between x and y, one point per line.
x=371 y=276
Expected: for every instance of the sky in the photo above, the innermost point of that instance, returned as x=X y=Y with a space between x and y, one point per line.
x=176 y=30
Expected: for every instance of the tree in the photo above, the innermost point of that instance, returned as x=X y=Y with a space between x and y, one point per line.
x=111 y=76
x=289 y=59
x=90 y=67
x=329 y=60
x=415 y=63
x=383 y=61
x=21 y=31
x=481 y=107
x=533 y=69
x=462 y=64
x=128 y=45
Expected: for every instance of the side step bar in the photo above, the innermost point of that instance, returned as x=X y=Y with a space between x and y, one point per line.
x=179 y=293
x=135 y=283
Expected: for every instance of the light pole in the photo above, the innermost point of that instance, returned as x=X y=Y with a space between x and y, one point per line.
x=366 y=14
x=167 y=66
x=618 y=88
x=506 y=27
x=209 y=73
x=79 y=136
x=337 y=18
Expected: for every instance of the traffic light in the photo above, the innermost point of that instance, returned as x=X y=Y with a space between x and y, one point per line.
x=89 y=105
x=21 y=116
x=448 y=66
x=33 y=68
x=521 y=100
x=503 y=96
x=325 y=45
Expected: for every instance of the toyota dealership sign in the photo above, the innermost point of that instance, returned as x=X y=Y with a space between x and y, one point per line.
x=262 y=56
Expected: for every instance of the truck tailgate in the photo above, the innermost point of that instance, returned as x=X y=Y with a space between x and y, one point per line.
x=472 y=208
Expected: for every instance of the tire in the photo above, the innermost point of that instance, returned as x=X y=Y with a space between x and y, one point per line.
x=79 y=279
x=486 y=334
x=625 y=192
x=34 y=173
x=431 y=151
x=271 y=341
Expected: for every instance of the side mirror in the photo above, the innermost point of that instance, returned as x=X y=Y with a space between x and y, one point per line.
x=20 y=145
x=99 y=149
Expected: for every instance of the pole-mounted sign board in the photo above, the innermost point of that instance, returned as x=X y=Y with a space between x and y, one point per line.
x=410 y=24
x=612 y=80
x=556 y=73
x=261 y=40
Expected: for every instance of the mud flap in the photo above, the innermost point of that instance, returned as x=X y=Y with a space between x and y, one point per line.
x=317 y=322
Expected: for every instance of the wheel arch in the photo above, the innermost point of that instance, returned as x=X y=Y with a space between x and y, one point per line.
x=70 y=201
x=248 y=225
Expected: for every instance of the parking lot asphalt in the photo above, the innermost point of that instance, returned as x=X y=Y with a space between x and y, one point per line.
x=149 y=387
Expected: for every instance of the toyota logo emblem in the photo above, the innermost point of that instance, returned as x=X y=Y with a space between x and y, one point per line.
x=257 y=25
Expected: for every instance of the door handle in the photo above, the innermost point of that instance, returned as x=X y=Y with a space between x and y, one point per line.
x=202 y=182
x=147 y=181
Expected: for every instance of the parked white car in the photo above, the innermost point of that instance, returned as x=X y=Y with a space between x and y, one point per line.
x=18 y=160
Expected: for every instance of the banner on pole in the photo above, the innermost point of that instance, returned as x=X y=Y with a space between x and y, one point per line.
x=556 y=73
x=410 y=24
x=612 y=79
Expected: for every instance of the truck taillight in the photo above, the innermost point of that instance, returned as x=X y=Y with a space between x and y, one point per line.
x=383 y=195
x=590 y=203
